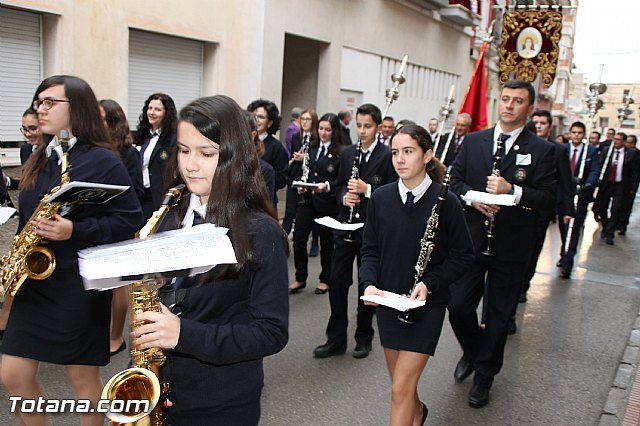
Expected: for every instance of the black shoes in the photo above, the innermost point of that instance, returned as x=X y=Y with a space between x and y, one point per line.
x=122 y=347
x=297 y=286
x=478 y=396
x=522 y=298
x=330 y=349
x=609 y=241
x=464 y=368
x=566 y=274
x=559 y=263
x=425 y=413
x=361 y=350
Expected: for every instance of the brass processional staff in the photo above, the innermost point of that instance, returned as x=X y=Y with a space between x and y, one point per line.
x=594 y=104
x=392 y=95
x=445 y=111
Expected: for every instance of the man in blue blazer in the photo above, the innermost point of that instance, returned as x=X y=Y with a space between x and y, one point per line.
x=585 y=185
x=527 y=170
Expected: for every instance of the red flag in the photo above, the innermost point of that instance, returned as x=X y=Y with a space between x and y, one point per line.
x=475 y=100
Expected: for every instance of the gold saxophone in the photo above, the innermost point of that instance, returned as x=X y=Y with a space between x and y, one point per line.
x=27 y=258
x=141 y=382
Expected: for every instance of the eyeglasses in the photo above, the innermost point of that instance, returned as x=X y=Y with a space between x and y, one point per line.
x=260 y=116
x=28 y=129
x=305 y=119
x=46 y=103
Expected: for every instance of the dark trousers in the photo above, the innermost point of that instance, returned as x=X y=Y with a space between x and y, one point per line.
x=341 y=279
x=625 y=211
x=147 y=204
x=290 y=209
x=567 y=254
x=610 y=194
x=485 y=349
x=537 y=244
x=304 y=223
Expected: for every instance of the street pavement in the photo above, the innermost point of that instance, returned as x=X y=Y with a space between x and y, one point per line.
x=559 y=368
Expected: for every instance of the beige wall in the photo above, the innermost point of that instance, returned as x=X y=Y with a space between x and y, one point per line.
x=244 y=54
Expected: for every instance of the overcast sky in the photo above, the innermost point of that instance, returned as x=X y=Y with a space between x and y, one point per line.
x=607 y=32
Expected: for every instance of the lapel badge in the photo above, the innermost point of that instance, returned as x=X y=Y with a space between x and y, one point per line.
x=376 y=180
x=330 y=168
x=329 y=155
x=163 y=155
x=516 y=148
x=521 y=174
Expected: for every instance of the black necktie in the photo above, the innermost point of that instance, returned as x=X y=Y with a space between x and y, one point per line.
x=363 y=159
x=321 y=154
x=503 y=138
x=145 y=145
x=409 y=201
x=197 y=218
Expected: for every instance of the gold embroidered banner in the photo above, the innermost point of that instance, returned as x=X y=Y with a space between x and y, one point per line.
x=530 y=45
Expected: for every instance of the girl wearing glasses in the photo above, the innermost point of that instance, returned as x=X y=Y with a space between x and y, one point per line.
x=234 y=315
x=56 y=320
x=31 y=133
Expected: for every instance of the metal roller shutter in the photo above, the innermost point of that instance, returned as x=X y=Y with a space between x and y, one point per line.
x=161 y=63
x=20 y=68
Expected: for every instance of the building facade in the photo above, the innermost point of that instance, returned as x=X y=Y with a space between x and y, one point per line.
x=325 y=55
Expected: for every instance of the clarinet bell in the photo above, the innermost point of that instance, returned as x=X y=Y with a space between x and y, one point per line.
x=407 y=317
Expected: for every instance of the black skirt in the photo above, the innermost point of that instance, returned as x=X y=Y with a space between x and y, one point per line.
x=421 y=337
x=57 y=321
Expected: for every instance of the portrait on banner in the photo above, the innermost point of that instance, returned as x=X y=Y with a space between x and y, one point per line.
x=529 y=45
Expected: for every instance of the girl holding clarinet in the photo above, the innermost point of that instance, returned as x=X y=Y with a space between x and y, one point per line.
x=397 y=216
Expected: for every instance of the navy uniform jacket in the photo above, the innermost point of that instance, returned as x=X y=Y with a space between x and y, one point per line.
x=377 y=171
x=325 y=170
x=157 y=165
x=512 y=225
x=590 y=173
x=227 y=327
x=630 y=170
x=276 y=155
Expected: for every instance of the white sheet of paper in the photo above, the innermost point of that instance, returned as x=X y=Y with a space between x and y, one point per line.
x=486 y=198
x=394 y=301
x=330 y=222
x=301 y=183
x=6 y=213
x=202 y=246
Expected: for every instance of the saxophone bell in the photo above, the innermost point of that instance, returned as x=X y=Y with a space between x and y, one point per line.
x=40 y=262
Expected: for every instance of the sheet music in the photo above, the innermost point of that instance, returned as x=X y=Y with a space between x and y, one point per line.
x=486 y=198
x=394 y=301
x=202 y=246
x=6 y=213
x=330 y=222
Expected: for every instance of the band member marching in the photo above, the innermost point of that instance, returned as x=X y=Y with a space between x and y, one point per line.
x=318 y=201
x=524 y=168
x=374 y=169
x=396 y=220
x=233 y=316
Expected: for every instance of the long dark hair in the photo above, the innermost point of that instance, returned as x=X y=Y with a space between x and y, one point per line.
x=237 y=189
x=84 y=116
x=336 y=132
x=117 y=125
x=435 y=169
x=168 y=122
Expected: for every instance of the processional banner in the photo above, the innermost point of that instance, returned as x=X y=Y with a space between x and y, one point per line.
x=529 y=45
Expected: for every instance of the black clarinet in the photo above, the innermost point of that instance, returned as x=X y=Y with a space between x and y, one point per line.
x=427 y=245
x=355 y=174
x=497 y=157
